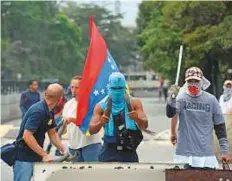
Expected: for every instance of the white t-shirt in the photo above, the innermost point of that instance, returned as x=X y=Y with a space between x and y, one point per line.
x=225 y=106
x=194 y=161
x=77 y=139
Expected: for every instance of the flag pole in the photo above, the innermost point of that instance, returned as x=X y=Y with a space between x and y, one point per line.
x=177 y=79
x=179 y=65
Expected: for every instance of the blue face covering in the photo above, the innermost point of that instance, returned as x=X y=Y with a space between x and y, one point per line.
x=117 y=90
x=117 y=95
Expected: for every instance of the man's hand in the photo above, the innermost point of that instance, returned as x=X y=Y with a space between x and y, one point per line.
x=69 y=120
x=138 y=114
x=63 y=149
x=133 y=115
x=104 y=119
x=226 y=157
x=173 y=139
x=174 y=90
x=47 y=158
x=98 y=120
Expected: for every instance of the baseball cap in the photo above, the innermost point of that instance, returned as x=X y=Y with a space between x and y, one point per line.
x=193 y=73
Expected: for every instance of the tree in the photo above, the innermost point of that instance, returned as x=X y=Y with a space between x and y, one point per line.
x=121 y=42
x=48 y=40
x=202 y=27
x=39 y=42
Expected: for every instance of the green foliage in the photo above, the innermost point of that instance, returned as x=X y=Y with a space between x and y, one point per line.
x=121 y=42
x=204 y=28
x=46 y=40
x=40 y=42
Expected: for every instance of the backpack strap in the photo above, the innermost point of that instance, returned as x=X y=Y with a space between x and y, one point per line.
x=108 y=110
x=128 y=103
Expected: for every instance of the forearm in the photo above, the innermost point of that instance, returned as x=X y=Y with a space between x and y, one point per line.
x=173 y=125
x=220 y=131
x=95 y=127
x=142 y=121
x=56 y=140
x=33 y=144
x=96 y=123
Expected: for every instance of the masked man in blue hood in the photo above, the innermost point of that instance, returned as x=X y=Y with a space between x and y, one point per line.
x=122 y=118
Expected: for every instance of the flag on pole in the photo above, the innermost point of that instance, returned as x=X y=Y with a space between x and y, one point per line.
x=99 y=65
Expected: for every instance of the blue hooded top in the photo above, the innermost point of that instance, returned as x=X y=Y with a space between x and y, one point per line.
x=117 y=91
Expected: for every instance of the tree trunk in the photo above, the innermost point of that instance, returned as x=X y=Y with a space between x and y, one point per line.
x=216 y=83
x=207 y=72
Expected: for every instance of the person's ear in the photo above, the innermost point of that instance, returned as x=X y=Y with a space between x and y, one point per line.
x=45 y=93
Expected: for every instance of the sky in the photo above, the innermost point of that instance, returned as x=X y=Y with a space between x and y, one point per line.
x=129 y=8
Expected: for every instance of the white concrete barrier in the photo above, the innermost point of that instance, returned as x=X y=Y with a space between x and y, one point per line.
x=10 y=109
x=101 y=171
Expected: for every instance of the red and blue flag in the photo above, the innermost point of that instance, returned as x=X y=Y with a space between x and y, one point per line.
x=99 y=65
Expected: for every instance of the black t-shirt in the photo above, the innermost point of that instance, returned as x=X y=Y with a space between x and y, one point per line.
x=38 y=120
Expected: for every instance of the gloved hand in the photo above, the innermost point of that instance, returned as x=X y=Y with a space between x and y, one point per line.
x=173 y=91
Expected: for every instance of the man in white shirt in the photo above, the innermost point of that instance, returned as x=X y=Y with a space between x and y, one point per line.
x=87 y=148
x=225 y=102
x=226 y=98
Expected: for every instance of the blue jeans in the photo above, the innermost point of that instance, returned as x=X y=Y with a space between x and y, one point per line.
x=23 y=171
x=109 y=153
x=87 y=154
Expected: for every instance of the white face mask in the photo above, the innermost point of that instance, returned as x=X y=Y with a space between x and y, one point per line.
x=204 y=84
x=194 y=88
x=227 y=94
